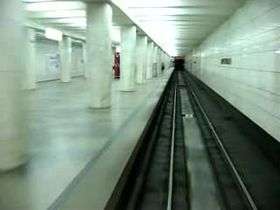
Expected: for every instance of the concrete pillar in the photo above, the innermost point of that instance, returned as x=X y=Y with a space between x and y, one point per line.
x=30 y=75
x=162 y=61
x=12 y=66
x=167 y=61
x=145 y=57
x=84 y=48
x=128 y=46
x=159 y=61
x=145 y=60
x=99 y=54
x=65 y=52
x=141 y=48
x=149 y=69
x=154 y=60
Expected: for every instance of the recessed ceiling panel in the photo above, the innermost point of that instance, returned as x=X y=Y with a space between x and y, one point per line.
x=180 y=25
x=176 y=25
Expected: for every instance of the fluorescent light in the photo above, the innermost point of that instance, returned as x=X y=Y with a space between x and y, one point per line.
x=32 y=1
x=53 y=34
x=55 y=6
x=58 y=14
x=81 y=20
x=116 y=34
x=118 y=49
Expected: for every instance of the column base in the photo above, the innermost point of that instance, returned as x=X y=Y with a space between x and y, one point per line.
x=11 y=163
x=65 y=81
x=100 y=108
x=129 y=90
x=30 y=88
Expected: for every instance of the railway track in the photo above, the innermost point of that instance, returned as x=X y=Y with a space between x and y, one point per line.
x=246 y=177
x=156 y=173
x=233 y=190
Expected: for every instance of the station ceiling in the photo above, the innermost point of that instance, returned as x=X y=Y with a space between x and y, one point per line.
x=175 y=25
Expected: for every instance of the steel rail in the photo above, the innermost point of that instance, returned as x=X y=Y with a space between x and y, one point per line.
x=171 y=163
x=226 y=155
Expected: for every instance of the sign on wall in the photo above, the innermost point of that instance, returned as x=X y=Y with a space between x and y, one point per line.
x=226 y=61
x=52 y=63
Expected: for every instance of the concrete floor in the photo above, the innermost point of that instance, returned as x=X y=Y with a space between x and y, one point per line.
x=76 y=154
x=203 y=189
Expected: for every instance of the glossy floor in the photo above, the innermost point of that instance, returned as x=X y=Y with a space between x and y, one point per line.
x=76 y=154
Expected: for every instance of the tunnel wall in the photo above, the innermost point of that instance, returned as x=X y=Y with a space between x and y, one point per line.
x=241 y=62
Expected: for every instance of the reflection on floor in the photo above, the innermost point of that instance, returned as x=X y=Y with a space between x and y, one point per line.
x=76 y=154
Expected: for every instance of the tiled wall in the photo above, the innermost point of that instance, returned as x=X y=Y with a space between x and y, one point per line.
x=77 y=61
x=46 y=52
x=251 y=38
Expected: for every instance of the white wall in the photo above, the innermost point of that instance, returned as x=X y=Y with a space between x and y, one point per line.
x=77 y=60
x=47 y=60
x=45 y=67
x=251 y=37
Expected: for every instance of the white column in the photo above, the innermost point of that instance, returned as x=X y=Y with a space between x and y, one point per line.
x=154 y=60
x=145 y=57
x=65 y=52
x=149 y=68
x=99 y=54
x=128 y=46
x=145 y=60
x=141 y=48
x=12 y=66
x=159 y=61
x=84 y=48
x=30 y=75
x=167 y=61
x=164 y=61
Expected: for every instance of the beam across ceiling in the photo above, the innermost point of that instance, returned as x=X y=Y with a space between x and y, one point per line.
x=174 y=25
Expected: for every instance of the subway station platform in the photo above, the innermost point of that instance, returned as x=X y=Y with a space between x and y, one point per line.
x=213 y=141
x=76 y=159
